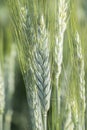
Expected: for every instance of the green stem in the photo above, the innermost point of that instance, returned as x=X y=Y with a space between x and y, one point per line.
x=45 y=120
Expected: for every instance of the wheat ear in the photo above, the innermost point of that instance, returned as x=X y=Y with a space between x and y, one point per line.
x=42 y=70
x=25 y=32
x=81 y=74
x=31 y=89
x=26 y=40
x=61 y=24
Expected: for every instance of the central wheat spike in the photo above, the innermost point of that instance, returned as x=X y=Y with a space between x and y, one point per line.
x=42 y=70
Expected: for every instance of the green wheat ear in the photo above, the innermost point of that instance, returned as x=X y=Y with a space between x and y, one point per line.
x=42 y=69
x=61 y=26
x=78 y=98
x=81 y=80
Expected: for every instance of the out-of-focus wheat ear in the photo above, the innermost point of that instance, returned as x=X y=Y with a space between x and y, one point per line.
x=66 y=108
x=2 y=98
x=42 y=70
x=33 y=102
x=61 y=25
x=81 y=75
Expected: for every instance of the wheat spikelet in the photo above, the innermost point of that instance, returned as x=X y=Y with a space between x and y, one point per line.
x=42 y=69
x=61 y=25
x=23 y=16
x=81 y=74
x=74 y=109
x=27 y=26
x=2 y=96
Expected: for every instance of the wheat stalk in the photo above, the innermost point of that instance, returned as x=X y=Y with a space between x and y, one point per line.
x=42 y=69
